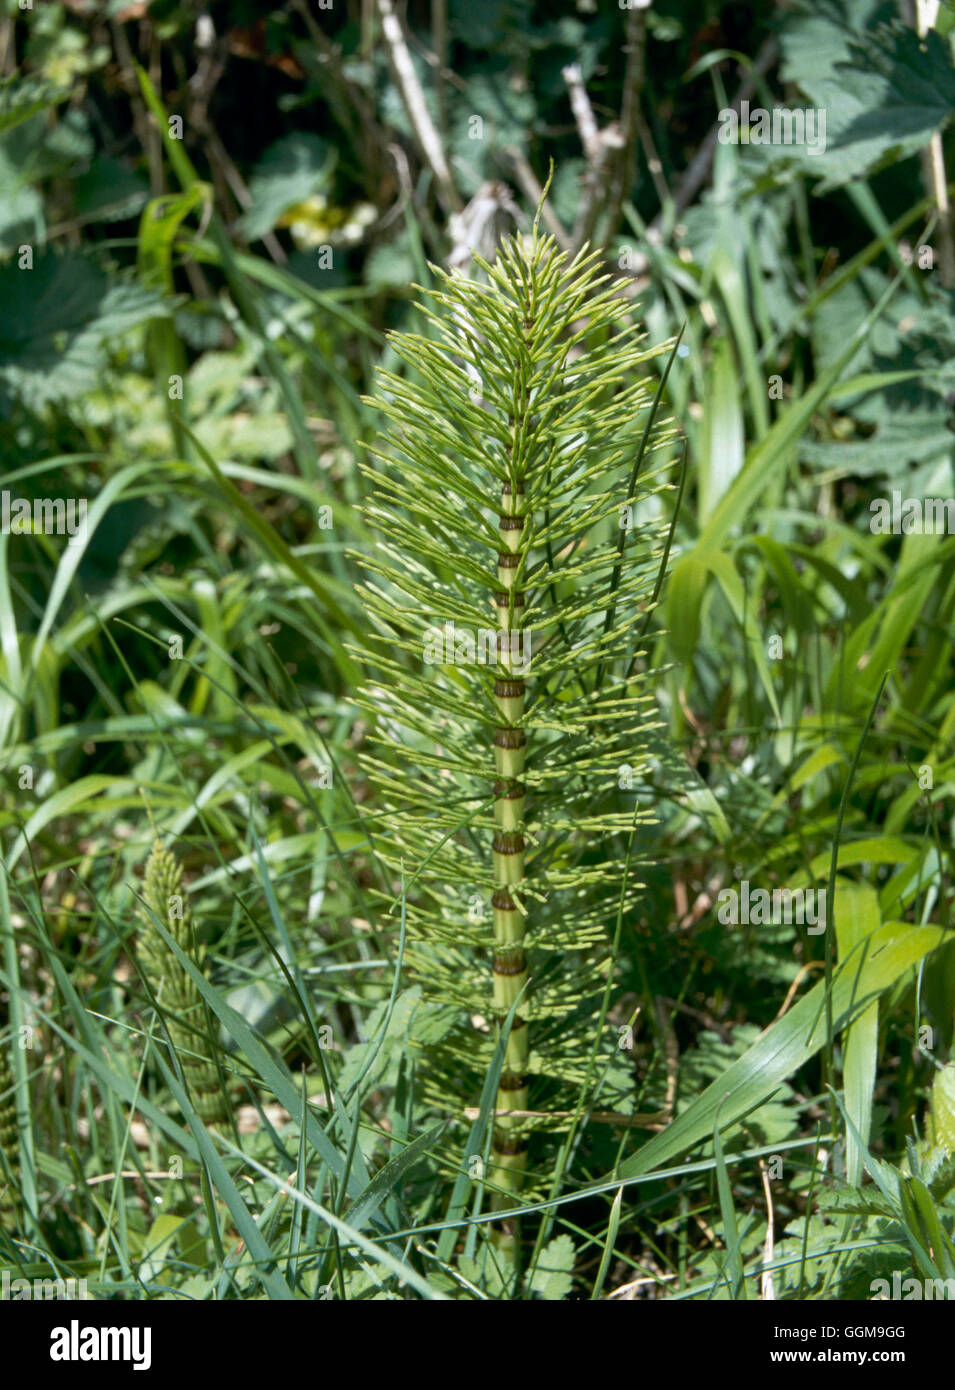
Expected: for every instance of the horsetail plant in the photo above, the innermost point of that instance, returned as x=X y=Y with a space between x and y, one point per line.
x=174 y=989
x=506 y=751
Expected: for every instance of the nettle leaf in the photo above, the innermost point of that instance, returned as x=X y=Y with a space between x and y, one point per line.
x=507 y=116
x=817 y=38
x=54 y=322
x=915 y=437
x=883 y=102
x=553 y=1275
x=915 y=76
x=939 y=1173
x=854 y=1201
x=292 y=170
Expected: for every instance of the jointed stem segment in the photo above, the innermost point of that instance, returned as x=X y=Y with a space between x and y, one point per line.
x=509 y=1147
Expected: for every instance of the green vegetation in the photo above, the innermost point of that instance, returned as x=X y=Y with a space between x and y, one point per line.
x=509 y=738
x=281 y=343
x=174 y=990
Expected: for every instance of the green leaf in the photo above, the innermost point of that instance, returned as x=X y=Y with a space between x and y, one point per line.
x=933 y=1250
x=388 y=1178
x=158 y=226
x=883 y=958
x=858 y=916
x=293 y=169
x=386 y=1047
x=724 y=442
x=169 y=1233
x=884 y=102
x=734 y=1255
x=55 y=321
x=613 y=1226
x=552 y=1277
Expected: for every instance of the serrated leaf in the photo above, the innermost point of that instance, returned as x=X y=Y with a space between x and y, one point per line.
x=54 y=321
x=884 y=101
x=552 y=1278
x=851 y=1201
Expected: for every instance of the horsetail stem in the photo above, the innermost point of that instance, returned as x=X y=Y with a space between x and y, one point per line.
x=510 y=443
x=175 y=991
x=509 y=966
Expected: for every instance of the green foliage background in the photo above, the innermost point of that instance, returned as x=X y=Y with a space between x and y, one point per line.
x=191 y=667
